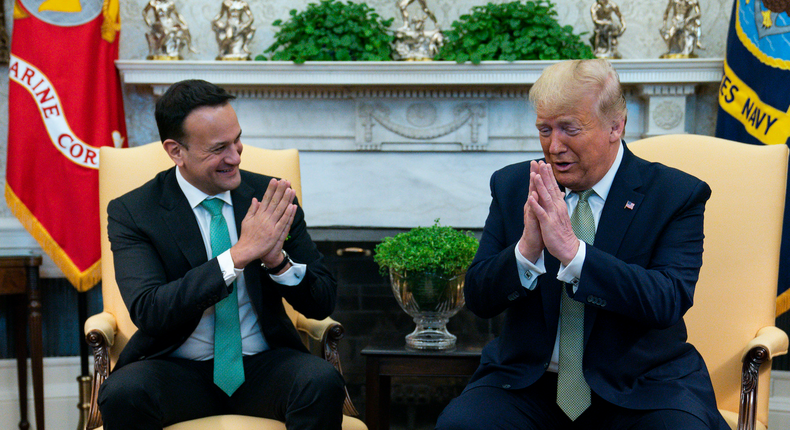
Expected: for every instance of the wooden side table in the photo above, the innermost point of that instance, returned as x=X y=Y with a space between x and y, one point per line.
x=386 y=358
x=18 y=276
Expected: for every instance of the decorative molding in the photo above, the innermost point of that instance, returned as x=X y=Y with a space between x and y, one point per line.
x=668 y=114
x=666 y=89
x=423 y=117
x=343 y=93
x=257 y=74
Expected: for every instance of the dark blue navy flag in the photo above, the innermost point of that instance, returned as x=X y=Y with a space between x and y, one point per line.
x=754 y=96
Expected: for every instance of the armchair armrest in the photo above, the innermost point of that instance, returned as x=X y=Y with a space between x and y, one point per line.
x=100 y=335
x=773 y=339
x=769 y=342
x=104 y=325
x=328 y=333
x=316 y=329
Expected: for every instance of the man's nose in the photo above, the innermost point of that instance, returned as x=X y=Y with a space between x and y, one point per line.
x=555 y=144
x=234 y=154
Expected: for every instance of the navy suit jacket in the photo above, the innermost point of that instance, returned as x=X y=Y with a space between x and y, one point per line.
x=167 y=281
x=637 y=282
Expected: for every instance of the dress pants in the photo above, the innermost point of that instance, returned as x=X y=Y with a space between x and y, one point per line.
x=284 y=384
x=535 y=408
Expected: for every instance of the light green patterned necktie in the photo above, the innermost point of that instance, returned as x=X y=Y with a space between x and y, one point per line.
x=573 y=393
x=228 y=364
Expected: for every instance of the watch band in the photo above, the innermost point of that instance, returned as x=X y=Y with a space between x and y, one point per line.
x=276 y=269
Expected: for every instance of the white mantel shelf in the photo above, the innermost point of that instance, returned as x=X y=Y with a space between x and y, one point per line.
x=393 y=73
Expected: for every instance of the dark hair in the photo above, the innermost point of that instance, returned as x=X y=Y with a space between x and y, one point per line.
x=180 y=100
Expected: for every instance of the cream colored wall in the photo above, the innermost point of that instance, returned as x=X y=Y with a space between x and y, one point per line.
x=641 y=40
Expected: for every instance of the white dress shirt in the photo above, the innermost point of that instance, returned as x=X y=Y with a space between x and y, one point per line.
x=200 y=344
x=529 y=272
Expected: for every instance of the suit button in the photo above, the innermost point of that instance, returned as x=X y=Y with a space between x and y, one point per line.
x=506 y=386
x=513 y=296
x=603 y=302
x=545 y=365
x=590 y=299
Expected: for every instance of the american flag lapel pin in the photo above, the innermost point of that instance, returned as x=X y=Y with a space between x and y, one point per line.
x=629 y=205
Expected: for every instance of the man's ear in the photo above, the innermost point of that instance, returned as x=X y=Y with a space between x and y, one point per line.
x=618 y=130
x=175 y=151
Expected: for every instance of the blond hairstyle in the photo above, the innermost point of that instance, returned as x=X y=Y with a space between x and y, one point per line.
x=562 y=86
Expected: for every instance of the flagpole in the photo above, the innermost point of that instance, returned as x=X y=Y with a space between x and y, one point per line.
x=84 y=379
x=5 y=48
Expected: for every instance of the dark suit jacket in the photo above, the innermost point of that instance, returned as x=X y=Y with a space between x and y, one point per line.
x=167 y=282
x=637 y=282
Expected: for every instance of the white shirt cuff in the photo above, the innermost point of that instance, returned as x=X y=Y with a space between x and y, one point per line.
x=573 y=271
x=528 y=272
x=292 y=276
x=229 y=270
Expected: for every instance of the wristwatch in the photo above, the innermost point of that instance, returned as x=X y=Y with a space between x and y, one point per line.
x=276 y=269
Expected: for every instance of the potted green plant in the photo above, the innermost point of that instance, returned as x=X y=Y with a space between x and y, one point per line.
x=332 y=31
x=512 y=31
x=426 y=266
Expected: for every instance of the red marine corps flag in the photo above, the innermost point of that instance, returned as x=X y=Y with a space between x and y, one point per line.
x=64 y=103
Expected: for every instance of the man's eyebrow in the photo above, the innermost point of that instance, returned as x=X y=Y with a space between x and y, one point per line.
x=569 y=120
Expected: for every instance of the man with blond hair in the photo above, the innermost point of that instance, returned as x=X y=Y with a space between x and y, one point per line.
x=592 y=254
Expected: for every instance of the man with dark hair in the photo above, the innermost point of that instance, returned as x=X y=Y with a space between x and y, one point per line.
x=204 y=254
x=593 y=254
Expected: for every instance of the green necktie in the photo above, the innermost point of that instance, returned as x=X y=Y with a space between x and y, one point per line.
x=573 y=393
x=228 y=365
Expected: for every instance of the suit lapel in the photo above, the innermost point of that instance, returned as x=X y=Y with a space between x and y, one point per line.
x=242 y=199
x=621 y=205
x=180 y=219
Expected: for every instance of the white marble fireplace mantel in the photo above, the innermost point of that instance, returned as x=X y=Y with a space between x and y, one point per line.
x=255 y=74
x=398 y=144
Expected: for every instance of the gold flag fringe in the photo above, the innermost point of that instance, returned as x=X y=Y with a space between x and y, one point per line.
x=112 y=20
x=82 y=281
x=783 y=303
x=19 y=13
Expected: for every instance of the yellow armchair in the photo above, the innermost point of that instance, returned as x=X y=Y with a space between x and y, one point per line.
x=122 y=170
x=732 y=320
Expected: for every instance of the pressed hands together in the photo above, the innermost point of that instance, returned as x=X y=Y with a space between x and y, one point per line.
x=546 y=221
x=266 y=226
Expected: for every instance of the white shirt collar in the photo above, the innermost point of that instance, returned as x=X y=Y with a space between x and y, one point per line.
x=195 y=196
x=605 y=184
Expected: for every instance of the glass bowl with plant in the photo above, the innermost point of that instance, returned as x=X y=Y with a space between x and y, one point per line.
x=512 y=31
x=332 y=31
x=426 y=266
